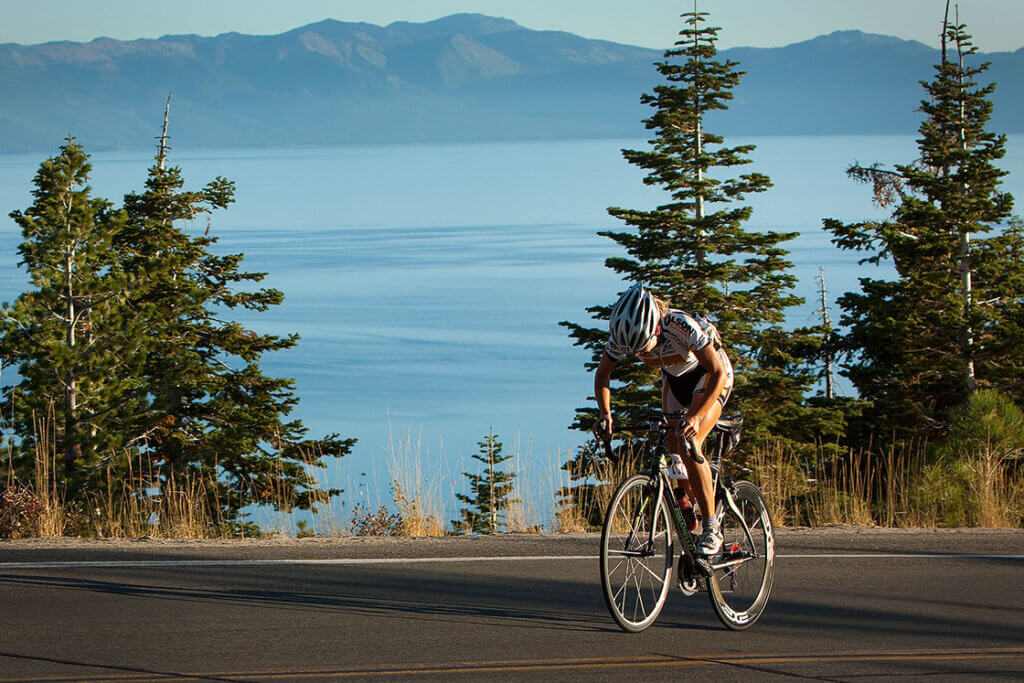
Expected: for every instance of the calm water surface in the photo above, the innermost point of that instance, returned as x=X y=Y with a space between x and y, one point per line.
x=427 y=281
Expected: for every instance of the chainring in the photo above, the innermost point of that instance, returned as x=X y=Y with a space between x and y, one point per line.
x=688 y=583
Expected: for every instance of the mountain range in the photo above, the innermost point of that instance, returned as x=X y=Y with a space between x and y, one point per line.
x=465 y=77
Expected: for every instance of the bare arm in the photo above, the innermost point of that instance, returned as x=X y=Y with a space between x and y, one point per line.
x=603 y=393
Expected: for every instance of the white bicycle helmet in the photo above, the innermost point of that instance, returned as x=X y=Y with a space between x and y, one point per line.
x=634 y=319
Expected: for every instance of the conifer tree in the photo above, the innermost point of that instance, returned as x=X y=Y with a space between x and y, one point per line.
x=213 y=414
x=124 y=346
x=489 y=495
x=952 y=319
x=72 y=338
x=694 y=252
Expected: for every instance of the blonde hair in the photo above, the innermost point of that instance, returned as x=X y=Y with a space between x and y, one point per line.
x=662 y=306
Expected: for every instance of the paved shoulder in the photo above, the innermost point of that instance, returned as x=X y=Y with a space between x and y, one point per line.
x=320 y=609
x=855 y=540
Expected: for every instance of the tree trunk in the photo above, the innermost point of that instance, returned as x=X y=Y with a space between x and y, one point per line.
x=699 y=149
x=162 y=147
x=830 y=389
x=965 y=244
x=490 y=485
x=70 y=388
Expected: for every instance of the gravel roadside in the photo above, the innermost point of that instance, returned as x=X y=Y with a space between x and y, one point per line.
x=789 y=541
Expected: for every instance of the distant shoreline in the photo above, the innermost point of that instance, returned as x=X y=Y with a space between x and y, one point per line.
x=182 y=154
x=464 y=78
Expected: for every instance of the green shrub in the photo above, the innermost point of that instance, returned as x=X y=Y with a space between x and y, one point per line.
x=940 y=496
x=987 y=425
x=972 y=481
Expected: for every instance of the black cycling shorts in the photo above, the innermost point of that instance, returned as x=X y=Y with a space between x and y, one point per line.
x=688 y=385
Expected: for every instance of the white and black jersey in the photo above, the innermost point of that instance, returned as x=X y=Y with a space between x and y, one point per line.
x=681 y=335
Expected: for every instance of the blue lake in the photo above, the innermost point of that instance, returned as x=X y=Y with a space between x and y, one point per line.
x=427 y=281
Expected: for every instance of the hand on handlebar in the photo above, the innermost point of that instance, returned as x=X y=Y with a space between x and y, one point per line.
x=690 y=427
x=603 y=433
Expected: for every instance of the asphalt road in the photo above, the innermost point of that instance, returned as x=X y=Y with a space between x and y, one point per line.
x=894 y=604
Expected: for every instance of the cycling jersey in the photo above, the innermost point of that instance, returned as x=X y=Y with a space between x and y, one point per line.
x=681 y=335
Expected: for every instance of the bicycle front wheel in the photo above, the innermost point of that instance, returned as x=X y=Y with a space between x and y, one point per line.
x=742 y=580
x=636 y=554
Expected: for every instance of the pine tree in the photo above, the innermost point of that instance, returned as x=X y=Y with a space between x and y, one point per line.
x=695 y=253
x=489 y=495
x=125 y=349
x=72 y=337
x=952 y=319
x=213 y=415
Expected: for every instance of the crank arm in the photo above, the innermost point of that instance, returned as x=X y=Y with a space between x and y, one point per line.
x=730 y=563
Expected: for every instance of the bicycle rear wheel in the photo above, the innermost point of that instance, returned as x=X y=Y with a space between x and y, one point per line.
x=636 y=554
x=739 y=591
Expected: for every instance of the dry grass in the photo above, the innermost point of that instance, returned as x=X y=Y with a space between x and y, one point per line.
x=906 y=485
x=367 y=522
x=523 y=513
x=900 y=487
x=134 y=500
x=569 y=507
x=55 y=516
x=324 y=519
x=141 y=504
x=585 y=491
x=417 y=496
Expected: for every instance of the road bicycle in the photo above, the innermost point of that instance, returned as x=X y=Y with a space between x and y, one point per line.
x=637 y=555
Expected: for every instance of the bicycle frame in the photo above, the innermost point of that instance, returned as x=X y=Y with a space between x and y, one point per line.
x=637 y=542
x=693 y=563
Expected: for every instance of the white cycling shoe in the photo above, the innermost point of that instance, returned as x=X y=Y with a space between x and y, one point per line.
x=676 y=468
x=710 y=542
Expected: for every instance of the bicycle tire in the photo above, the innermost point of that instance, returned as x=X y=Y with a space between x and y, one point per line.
x=740 y=593
x=635 y=587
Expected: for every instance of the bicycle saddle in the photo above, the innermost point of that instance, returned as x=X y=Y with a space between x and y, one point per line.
x=728 y=424
x=731 y=428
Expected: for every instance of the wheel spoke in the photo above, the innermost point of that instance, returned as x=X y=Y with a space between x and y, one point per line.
x=652 y=573
x=625 y=584
x=632 y=530
x=636 y=557
x=639 y=595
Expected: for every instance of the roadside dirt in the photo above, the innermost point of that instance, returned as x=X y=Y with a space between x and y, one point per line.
x=843 y=539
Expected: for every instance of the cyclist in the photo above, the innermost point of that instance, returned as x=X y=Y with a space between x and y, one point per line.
x=696 y=377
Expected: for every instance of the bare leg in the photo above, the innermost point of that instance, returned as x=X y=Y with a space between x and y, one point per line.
x=701 y=483
x=675 y=445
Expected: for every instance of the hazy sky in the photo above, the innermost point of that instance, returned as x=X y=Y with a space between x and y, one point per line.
x=996 y=24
